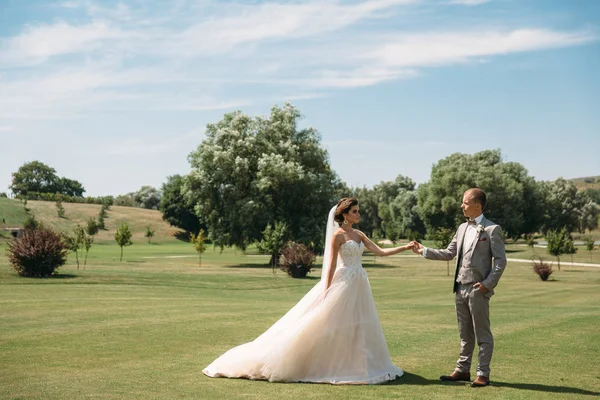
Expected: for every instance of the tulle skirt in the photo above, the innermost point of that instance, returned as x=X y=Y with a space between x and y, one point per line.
x=333 y=337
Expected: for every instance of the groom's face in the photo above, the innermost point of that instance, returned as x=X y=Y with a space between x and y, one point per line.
x=471 y=209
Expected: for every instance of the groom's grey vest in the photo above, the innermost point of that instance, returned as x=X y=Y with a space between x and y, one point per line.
x=464 y=272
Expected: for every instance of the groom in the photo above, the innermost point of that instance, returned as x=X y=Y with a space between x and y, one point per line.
x=479 y=245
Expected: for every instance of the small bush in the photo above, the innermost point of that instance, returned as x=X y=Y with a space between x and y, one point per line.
x=37 y=252
x=31 y=223
x=543 y=269
x=298 y=260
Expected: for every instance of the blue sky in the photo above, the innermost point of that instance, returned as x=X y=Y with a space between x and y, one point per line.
x=116 y=94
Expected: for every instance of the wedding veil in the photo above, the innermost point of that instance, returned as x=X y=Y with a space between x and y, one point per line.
x=332 y=226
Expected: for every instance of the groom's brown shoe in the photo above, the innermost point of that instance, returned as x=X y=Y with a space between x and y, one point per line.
x=480 y=381
x=456 y=376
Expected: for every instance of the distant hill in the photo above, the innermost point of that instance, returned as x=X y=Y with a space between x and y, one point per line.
x=14 y=215
x=589 y=182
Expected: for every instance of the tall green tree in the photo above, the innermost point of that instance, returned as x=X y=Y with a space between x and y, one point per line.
x=37 y=177
x=563 y=205
x=177 y=209
x=588 y=217
x=250 y=172
x=70 y=187
x=147 y=197
x=512 y=193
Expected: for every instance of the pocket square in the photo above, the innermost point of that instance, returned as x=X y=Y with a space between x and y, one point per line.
x=483 y=239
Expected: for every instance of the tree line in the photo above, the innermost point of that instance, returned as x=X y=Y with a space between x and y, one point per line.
x=259 y=179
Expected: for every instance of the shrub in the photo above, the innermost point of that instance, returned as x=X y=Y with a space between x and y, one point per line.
x=31 y=222
x=37 y=252
x=92 y=227
x=298 y=260
x=543 y=269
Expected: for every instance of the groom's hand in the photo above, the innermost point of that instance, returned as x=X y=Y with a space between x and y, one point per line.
x=481 y=288
x=417 y=247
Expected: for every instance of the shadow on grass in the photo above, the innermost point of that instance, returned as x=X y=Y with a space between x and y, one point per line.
x=183 y=236
x=513 y=251
x=413 y=379
x=63 y=276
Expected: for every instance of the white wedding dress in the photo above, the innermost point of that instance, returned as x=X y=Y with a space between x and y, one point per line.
x=333 y=337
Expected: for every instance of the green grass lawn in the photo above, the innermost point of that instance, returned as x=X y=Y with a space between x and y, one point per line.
x=144 y=328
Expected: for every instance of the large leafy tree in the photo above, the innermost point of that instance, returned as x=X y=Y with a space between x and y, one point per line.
x=513 y=196
x=250 y=172
x=397 y=209
x=147 y=197
x=563 y=205
x=70 y=187
x=37 y=177
x=177 y=209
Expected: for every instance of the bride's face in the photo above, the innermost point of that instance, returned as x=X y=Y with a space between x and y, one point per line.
x=353 y=215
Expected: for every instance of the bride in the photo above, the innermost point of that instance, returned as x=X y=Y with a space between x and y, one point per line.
x=333 y=334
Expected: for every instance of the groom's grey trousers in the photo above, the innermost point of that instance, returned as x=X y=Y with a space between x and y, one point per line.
x=473 y=315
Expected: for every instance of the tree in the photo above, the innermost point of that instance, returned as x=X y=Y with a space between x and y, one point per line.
x=563 y=205
x=37 y=177
x=31 y=222
x=34 y=177
x=250 y=172
x=103 y=214
x=149 y=233
x=199 y=245
x=400 y=216
x=370 y=222
x=177 y=209
x=558 y=243
x=92 y=227
x=274 y=238
x=147 y=197
x=123 y=238
x=588 y=219
x=70 y=187
x=125 y=200
x=570 y=247
x=442 y=238
x=74 y=241
x=87 y=242
x=589 y=243
x=513 y=196
x=59 y=207
x=593 y=194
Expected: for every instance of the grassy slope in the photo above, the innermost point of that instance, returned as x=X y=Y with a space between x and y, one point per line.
x=45 y=211
x=582 y=184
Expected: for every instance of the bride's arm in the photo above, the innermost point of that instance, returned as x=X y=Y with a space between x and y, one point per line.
x=335 y=247
x=378 y=251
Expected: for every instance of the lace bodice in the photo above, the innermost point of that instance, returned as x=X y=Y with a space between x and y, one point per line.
x=350 y=265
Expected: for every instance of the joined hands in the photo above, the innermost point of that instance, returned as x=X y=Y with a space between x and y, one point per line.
x=416 y=247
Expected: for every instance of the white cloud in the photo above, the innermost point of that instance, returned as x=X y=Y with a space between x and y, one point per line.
x=197 y=59
x=469 y=2
x=38 y=43
x=442 y=48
